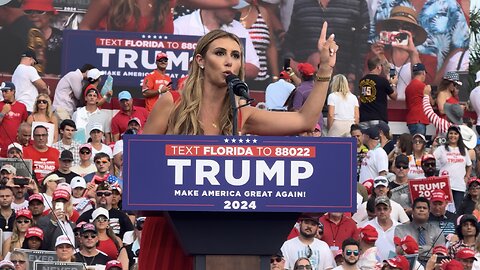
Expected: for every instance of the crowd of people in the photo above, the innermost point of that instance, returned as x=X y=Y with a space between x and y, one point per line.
x=71 y=201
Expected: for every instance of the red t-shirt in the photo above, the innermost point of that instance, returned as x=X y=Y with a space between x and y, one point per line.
x=413 y=100
x=120 y=120
x=10 y=123
x=43 y=162
x=334 y=234
x=154 y=81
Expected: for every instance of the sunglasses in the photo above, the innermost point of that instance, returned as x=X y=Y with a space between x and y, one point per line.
x=382 y=181
x=431 y=165
x=25 y=221
x=42 y=101
x=401 y=167
x=418 y=142
x=310 y=252
x=101 y=162
x=89 y=236
x=85 y=152
x=277 y=259
x=163 y=60
x=303 y=267
x=35 y=12
x=106 y=194
x=349 y=252
x=474 y=187
x=102 y=219
x=18 y=261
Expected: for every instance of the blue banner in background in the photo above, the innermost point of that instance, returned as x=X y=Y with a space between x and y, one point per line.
x=244 y=174
x=126 y=56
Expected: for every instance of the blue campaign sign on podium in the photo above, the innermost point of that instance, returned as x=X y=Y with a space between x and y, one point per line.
x=239 y=174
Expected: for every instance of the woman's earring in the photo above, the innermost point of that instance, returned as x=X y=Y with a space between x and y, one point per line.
x=202 y=67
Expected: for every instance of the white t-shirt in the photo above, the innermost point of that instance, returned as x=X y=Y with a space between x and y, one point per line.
x=475 y=101
x=84 y=119
x=373 y=163
x=192 y=25
x=453 y=163
x=404 y=74
x=397 y=215
x=20 y=206
x=415 y=168
x=25 y=91
x=105 y=149
x=344 y=107
x=321 y=256
x=384 y=242
x=277 y=93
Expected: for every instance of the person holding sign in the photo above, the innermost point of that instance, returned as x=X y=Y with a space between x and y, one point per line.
x=204 y=108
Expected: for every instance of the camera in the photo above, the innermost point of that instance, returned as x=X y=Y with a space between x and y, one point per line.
x=440 y=258
x=441 y=140
x=20 y=181
x=393 y=38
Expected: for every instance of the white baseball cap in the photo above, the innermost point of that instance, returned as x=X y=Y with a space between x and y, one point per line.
x=77 y=182
x=63 y=239
x=118 y=148
x=100 y=212
x=15 y=145
x=94 y=73
x=96 y=126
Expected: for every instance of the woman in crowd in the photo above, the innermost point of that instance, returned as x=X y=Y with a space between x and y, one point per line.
x=86 y=165
x=42 y=112
x=33 y=239
x=453 y=160
x=20 y=260
x=40 y=13
x=415 y=159
x=471 y=201
x=204 y=109
x=23 y=221
x=255 y=18
x=447 y=91
x=343 y=110
x=49 y=186
x=302 y=264
x=64 y=249
x=96 y=141
x=403 y=146
x=109 y=243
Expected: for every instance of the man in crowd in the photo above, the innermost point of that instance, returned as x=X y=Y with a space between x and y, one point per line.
x=12 y=114
x=156 y=83
x=119 y=221
x=44 y=158
x=368 y=250
x=375 y=163
x=398 y=186
x=429 y=165
x=374 y=90
x=306 y=245
x=416 y=120
x=427 y=234
x=337 y=228
x=350 y=254
x=102 y=163
x=68 y=94
x=88 y=253
x=19 y=193
x=24 y=134
x=36 y=206
x=466 y=257
x=385 y=137
x=385 y=227
x=127 y=111
x=27 y=81
x=65 y=166
x=277 y=262
x=7 y=173
x=7 y=214
x=67 y=130
x=277 y=92
x=14 y=150
x=467 y=231
x=438 y=212
x=202 y=21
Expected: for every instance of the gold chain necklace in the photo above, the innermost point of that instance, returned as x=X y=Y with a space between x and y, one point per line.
x=242 y=19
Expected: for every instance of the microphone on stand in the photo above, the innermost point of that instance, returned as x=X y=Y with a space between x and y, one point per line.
x=238 y=87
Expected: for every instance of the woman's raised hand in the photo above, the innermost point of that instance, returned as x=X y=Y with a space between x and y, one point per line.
x=328 y=48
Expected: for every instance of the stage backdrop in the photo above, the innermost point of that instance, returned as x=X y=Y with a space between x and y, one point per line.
x=244 y=174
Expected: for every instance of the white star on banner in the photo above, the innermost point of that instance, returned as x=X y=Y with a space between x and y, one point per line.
x=225 y=140
x=234 y=140
x=240 y=140
x=247 y=140
x=254 y=140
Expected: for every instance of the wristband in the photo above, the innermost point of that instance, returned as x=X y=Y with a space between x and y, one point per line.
x=322 y=79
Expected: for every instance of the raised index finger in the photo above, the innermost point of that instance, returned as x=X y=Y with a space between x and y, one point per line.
x=323 y=33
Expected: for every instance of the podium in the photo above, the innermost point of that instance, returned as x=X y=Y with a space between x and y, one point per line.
x=232 y=201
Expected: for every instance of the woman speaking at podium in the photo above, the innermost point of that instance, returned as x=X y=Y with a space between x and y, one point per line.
x=203 y=108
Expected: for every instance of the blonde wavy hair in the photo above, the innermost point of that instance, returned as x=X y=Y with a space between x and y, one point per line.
x=15 y=238
x=122 y=10
x=184 y=120
x=339 y=85
x=49 y=105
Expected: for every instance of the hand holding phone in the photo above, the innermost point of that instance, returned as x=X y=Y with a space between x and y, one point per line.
x=286 y=63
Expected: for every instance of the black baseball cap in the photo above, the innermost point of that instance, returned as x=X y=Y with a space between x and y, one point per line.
x=30 y=53
x=418 y=67
x=66 y=155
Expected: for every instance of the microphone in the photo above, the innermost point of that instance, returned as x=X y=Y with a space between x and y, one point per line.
x=239 y=87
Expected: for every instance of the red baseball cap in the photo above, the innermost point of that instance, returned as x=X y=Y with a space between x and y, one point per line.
x=452 y=265
x=284 y=75
x=24 y=213
x=161 y=55
x=438 y=195
x=427 y=157
x=465 y=253
x=34 y=232
x=306 y=69
x=41 y=5
x=473 y=180
x=399 y=262
x=368 y=234
x=368 y=184
x=440 y=250
x=408 y=244
x=61 y=194
x=35 y=196
x=113 y=263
